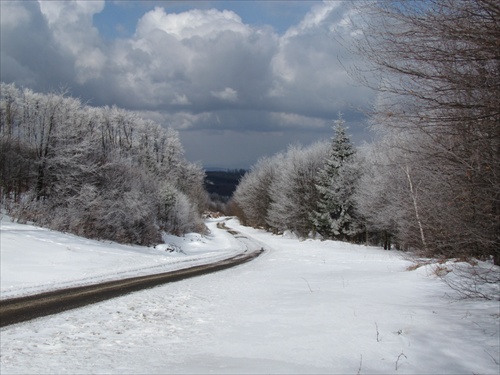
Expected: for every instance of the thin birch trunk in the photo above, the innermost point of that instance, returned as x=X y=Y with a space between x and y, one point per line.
x=413 y=193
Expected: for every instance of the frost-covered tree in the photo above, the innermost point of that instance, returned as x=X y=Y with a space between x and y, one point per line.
x=252 y=196
x=293 y=192
x=16 y=157
x=97 y=172
x=390 y=193
x=334 y=216
x=278 y=193
x=436 y=65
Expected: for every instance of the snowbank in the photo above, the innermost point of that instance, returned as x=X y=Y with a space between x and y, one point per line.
x=36 y=259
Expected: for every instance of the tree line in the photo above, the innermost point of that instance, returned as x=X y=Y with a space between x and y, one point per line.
x=307 y=190
x=99 y=172
x=430 y=181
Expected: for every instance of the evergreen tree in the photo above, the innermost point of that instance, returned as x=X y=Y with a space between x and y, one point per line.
x=334 y=217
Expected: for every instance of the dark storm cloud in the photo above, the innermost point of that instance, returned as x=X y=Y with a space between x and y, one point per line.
x=29 y=54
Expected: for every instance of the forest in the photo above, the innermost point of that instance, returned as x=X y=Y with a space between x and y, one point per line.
x=98 y=172
x=430 y=181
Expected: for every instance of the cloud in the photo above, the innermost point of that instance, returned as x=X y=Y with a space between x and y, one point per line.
x=14 y=14
x=180 y=100
x=202 y=23
x=29 y=53
x=309 y=75
x=198 y=70
x=71 y=25
x=228 y=94
x=295 y=121
x=70 y=12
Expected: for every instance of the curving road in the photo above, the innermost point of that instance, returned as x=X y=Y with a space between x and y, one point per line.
x=16 y=310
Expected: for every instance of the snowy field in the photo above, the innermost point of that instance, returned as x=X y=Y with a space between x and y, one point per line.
x=302 y=307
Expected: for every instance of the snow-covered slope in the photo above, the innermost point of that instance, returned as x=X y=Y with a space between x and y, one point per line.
x=302 y=307
x=36 y=259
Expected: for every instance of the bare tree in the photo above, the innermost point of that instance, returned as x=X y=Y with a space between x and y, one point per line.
x=437 y=67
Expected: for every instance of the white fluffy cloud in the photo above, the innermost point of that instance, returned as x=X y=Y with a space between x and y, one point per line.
x=72 y=29
x=70 y=11
x=199 y=69
x=201 y=23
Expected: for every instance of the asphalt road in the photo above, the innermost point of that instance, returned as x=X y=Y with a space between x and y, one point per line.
x=16 y=310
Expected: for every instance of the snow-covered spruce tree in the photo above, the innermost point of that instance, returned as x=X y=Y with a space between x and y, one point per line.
x=336 y=183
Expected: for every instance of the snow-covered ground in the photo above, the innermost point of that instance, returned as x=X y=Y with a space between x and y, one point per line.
x=302 y=307
x=36 y=259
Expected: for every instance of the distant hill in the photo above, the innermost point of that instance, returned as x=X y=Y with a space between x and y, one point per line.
x=223 y=182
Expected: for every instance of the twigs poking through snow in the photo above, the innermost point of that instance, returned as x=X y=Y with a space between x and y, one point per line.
x=307 y=284
x=378 y=334
x=493 y=358
x=399 y=357
x=360 y=364
x=474 y=281
x=470 y=279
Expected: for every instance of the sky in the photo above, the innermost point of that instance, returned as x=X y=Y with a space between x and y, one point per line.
x=238 y=80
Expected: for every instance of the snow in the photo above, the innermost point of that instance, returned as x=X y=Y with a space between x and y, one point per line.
x=303 y=307
x=36 y=259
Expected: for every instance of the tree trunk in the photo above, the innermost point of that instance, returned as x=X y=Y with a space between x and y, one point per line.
x=413 y=194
